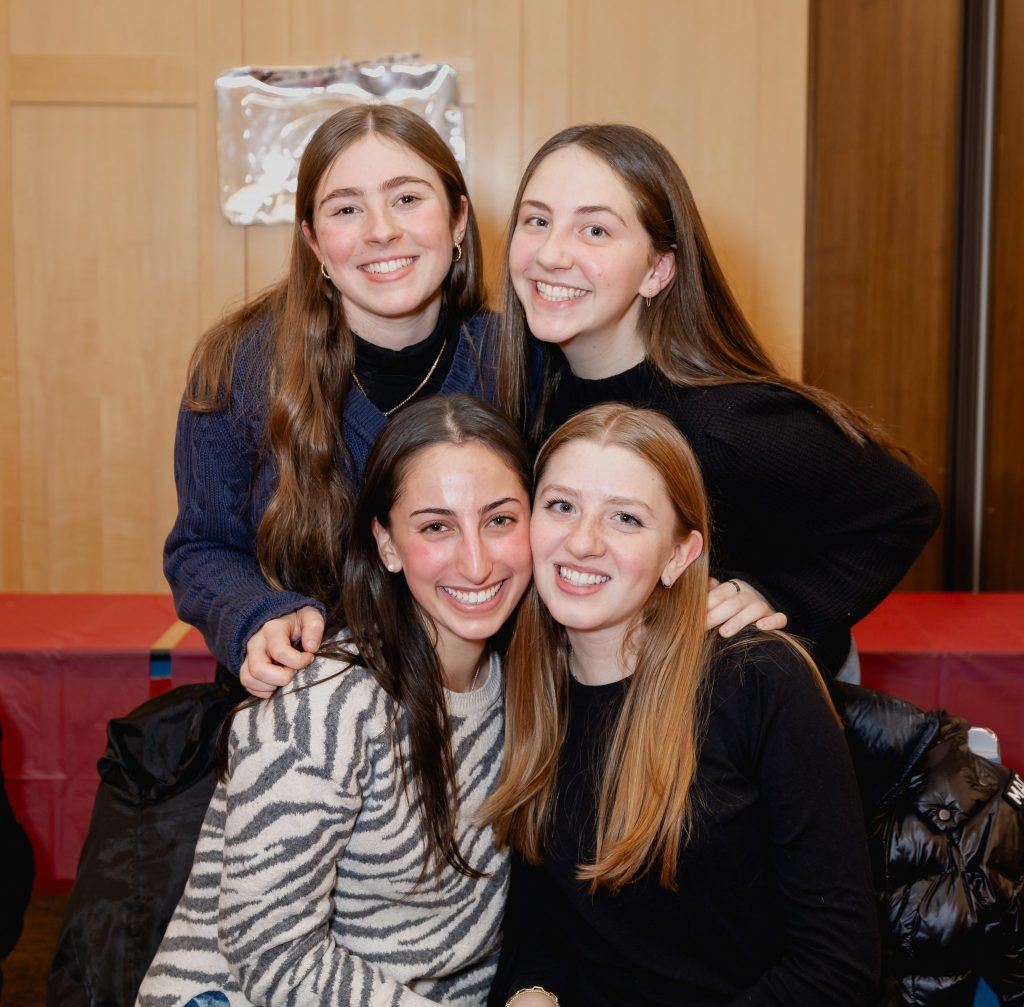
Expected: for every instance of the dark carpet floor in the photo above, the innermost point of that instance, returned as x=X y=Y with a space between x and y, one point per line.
x=25 y=969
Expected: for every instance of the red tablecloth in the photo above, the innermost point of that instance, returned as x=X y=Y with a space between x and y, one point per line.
x=961 y=652
x=68 y=664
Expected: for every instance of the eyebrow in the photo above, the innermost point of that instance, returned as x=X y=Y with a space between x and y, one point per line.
x=614 y=501
x=445 y=512
x=579 y=211
x=386 y=186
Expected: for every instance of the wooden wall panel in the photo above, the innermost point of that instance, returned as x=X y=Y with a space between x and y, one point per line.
x=882 y=164
x=724 y=87
x=1003 y=545
x=119 y=259
x=116 y=256
x=10 y=452
x=105 y=227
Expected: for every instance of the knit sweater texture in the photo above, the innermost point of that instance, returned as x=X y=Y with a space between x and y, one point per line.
x=774 y=903
x=225 y=477
x=823 y=527
x=304 y=886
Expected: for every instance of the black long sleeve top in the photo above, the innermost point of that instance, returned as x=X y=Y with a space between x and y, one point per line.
x=824 y=528
x=774 y=902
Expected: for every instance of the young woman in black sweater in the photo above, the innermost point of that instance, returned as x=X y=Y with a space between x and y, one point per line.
x=611 y=274
x=683 y=807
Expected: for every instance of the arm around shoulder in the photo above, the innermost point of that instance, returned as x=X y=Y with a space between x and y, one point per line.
x=210 y=554
x=849 y=518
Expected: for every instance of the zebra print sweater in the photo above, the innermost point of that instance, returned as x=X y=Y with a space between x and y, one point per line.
x=304 y=885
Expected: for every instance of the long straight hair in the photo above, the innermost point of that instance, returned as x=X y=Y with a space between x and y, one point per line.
x=694 y=332
x=386 y=627
x=645 y=806
x=311 y=356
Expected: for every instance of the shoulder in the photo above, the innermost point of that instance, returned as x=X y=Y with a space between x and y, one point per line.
x=768 y=703
x=334 y=702
x=763 y=670
x=474 y=366
x=253 y=360
x=482 y=328
x=770 y=408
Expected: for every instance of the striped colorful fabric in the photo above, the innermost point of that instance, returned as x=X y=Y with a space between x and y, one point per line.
x=304 y=886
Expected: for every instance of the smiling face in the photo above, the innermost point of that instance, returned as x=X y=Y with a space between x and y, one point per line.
x=383 y=230
x=459 y=531
x=580 y=262
x=604 y=534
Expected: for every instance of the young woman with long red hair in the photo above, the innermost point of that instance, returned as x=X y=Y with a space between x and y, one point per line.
x=683 y=807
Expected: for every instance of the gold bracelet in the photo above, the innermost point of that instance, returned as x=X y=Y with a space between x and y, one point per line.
x=531 y=989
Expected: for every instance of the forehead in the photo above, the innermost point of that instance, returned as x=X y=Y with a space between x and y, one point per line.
x=605 y=470
x=372 y=160
x=577 y=177
x=471 y=472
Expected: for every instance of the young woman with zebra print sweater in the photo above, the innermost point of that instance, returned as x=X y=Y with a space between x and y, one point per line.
x=340 y=861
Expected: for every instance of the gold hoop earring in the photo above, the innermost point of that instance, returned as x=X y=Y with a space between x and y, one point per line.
x=457 y=257
x=326 y=275
x=647 y=301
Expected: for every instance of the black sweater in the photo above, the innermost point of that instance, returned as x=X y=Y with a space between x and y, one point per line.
x=822 y=527
x=774 y=902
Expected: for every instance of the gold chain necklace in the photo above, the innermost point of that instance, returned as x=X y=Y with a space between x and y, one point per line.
x=419 y=388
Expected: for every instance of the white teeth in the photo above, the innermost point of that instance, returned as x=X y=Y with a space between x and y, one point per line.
x=581 y=579
x=474 y=597
x=390 y=266
x=552 y=293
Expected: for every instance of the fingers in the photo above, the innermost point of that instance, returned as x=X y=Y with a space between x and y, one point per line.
x=271 y=658
x=724 y=591
x=311 y=629
x=777 y=620
x=252 y=685
x=734 y=604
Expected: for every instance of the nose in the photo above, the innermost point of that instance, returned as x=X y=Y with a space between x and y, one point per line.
x=553 y=252
x=381 y=226
x=474 y=559
x=585 y=538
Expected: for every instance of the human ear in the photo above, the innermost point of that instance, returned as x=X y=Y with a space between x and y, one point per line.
x=660 y=274
x=386 y=547
x=684 y=552
x=307 y=233
x=459 y=221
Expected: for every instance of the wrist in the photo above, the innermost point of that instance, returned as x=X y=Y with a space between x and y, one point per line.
x=531 y=992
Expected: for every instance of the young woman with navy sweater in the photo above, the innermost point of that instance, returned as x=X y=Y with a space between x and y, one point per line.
x=383 y=304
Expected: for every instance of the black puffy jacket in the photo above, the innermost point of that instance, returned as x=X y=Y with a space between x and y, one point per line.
x=156 y=780
x=946 y=832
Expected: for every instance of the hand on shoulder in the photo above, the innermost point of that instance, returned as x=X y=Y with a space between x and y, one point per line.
x=271 y=657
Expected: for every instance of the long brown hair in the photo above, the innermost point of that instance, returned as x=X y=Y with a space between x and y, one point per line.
x=310 y=358
x=384 y=622
x=694 y=332
x=645 y=807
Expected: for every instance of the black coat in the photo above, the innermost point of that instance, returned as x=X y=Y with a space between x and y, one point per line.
x=157 y=777
x=946 y=834
x=16 y=878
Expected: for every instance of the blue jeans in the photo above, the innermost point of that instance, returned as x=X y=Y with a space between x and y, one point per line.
x=211 y=998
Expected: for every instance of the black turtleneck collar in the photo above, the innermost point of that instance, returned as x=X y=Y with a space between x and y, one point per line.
x=389 y=376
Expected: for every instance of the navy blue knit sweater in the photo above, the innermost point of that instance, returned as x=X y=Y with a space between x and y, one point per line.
x=225 y=478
